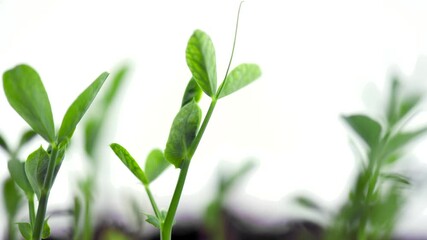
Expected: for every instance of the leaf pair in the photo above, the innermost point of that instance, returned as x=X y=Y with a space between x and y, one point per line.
x=201 y=60
x=26 y=94
x=156 y=221
x=27 y=231
x=30 y=175
x=155 y=163
x=370 y=131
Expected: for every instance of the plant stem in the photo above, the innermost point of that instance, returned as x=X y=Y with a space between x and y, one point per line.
x=11 y=229
x=166 y=231
x=31 y=208
x=44 y=196
x=87 y=228
x=152 y=201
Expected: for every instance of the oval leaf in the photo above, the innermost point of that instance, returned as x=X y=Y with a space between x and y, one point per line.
x=192 y=91
x=129 y=162
x=25 y=229
x=200 y=55
x=182 y=133
x=36 y=169
x=46 y=230
x=79 y=107
x=17 y=172
x=155 y=164
x=26 y=94
x=153 y=220
x=12 y=198
x=239 y=77
x=367 y=128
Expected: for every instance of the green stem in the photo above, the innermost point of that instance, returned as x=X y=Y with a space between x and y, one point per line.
x=44 y=196
x=152 y=201
x=166 y=231
x=87 y=228
x=12 y=229
x=232 y=51
x=31 y=208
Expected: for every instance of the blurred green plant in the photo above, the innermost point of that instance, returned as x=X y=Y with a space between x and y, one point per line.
x=95 y=126
x=213 y=217
x=26 y=94
x=12 y=194
x=380 y=191
x=376 y=200
x=186 y=131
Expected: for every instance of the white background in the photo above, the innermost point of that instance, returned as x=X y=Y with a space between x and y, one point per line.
x=320 y=59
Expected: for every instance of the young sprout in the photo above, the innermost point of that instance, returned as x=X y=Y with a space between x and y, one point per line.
x=26 y=94
x=377 y=196
x=94 y=129
x=188 y=126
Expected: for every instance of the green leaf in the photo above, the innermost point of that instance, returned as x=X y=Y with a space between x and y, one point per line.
x=396 y=177
x=46 y=230
x=239 y=77
x=201 y=60
x=192 y=91
x=79 y=107
x=403 y=139
x=26 y=137
x=182 y=133
x=153 y=220
x=367 y=128
x=92 y=131
x=25 y=229
x=17 y=172
x=129 y=162
x=26 y=94
x=12 y=198
x=409 y=103
x=36 y=169
x=4 y=145
x=114 y=86
x=155 y=164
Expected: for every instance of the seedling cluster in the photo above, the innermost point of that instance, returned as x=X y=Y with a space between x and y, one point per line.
x=35 y=176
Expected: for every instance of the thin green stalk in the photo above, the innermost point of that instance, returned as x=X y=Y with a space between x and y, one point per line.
x=87 y=228
x=152 y=201
x=44 y=196
x=31 y=208
x=166 y=231
x=11 y=229
x=232 y=50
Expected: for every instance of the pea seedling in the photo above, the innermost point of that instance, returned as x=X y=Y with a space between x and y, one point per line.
x=186 y=131
x=378 y=195
x=94 y=127
x=26 y=94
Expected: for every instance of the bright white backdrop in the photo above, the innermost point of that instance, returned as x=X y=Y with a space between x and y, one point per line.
x=319 y=59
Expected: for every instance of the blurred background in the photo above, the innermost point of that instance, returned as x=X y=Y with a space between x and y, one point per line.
x=320 y=59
